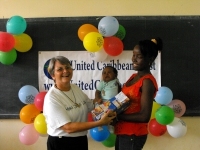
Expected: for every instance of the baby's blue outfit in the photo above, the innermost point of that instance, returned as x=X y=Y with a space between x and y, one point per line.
x=108 y=89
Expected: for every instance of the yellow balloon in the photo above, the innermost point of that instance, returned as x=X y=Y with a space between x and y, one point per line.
x=93 y=41
x=154 y=109
x=40 y=124
x=23 y=42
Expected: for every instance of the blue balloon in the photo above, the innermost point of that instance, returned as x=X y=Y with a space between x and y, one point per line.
x=164 y=95
x=100 y=134
x=27 y=94
x=16 y=25
x=108 y=26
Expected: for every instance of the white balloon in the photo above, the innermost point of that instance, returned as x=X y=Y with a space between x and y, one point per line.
x=101 y=55
x=177 y=128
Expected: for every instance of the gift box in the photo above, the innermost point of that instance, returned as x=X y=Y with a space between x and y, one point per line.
x=119 y=103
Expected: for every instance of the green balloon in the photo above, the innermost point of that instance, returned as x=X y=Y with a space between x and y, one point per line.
x=164 y=115
x=121 y=32
x=110 y=141
x=8 y=58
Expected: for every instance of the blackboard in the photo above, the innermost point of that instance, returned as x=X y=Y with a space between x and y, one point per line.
x=180 y=58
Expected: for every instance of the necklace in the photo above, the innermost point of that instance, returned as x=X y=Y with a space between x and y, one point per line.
x=74 y=102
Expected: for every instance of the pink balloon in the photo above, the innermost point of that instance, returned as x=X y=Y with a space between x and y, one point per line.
x=39 y=100
x=28 y=135
x=178 y=106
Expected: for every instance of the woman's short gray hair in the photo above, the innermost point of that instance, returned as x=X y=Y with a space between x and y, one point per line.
x=63 y=60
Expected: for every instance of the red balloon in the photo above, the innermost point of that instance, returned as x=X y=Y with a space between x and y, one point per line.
x=156 y=129
x=7 y=41
x=113 y=46
x=39 y=100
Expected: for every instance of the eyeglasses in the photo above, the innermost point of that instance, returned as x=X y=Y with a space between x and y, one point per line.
x=63 y=68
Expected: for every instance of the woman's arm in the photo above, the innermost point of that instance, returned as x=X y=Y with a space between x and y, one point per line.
x=82 y=126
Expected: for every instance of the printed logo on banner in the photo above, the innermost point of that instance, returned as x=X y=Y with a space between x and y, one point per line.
x=45 y=69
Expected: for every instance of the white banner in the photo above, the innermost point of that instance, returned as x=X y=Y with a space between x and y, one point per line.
x=87 y=72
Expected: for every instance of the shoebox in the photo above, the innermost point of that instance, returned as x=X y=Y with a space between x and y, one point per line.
x=119 y=103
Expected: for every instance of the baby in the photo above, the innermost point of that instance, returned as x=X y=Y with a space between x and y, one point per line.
x=109 y=86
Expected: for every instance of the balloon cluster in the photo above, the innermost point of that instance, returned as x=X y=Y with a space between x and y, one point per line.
x=31 y=114
x=102 y=134
x=166 y=114
x=13 y=40
x=104 y=41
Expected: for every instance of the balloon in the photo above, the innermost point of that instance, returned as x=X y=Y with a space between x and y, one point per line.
x=177 y=128
x=16 y=25
x=164 y=115
x=85 y=29
x=7 y=41
x=40 y=124
x=156 y=129
x=178 y=106
x=108 y=26
x=110 y=141
x=121 y=32
x=101 y=55
x=93 y=42
x=100 y=134
x=164 y=96
x=113 y=46
x=27 y=94
x=39 y=100
x=154 y=109
x=8 y=58
x=28 y=113
x=23 y=42
x=28 y=135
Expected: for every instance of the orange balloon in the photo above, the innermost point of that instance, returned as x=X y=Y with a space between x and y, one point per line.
x=28 y=113
x=85 y=29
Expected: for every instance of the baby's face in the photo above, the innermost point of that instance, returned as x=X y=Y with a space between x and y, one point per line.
x=108 y=74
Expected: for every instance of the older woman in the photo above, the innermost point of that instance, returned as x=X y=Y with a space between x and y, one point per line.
x=66 y=109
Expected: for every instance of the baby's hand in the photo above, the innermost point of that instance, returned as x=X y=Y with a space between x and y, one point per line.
x=98 y=101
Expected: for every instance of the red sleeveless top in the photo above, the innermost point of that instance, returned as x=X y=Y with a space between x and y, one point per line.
x=134 y=94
